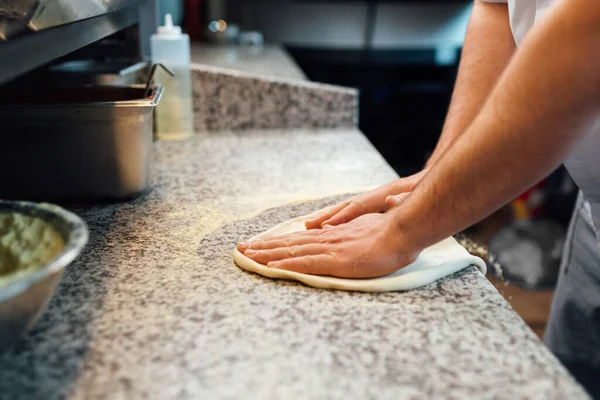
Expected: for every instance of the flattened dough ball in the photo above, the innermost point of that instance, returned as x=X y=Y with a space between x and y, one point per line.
x=435 y=262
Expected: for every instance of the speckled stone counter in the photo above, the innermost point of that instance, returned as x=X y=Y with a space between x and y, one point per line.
x=268 y=60
x=241 y=88
x=226 y=99
x=155 y=307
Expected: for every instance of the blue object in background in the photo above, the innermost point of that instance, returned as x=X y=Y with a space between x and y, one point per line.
x=173 y=7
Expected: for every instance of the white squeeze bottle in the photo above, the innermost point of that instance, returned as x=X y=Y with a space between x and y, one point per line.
x=174 y=114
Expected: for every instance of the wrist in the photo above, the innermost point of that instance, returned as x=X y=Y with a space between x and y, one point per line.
x=404 y=236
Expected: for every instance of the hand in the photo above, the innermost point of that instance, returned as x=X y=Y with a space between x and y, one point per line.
x=367 y=247
x=375 y=201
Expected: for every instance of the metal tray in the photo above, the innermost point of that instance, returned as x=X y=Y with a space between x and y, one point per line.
x=80 y=143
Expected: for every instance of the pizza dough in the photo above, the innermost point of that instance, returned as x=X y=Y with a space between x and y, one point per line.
x=435 y=262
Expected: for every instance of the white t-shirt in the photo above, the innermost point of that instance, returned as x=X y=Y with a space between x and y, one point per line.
x=523 y=14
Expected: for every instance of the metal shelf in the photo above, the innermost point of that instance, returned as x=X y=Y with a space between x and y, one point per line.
x=25 y=53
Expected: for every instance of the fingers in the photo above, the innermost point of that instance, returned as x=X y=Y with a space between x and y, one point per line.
x=370 y=202
x=293 y=239
x=281 y=253
x=393 y=201
x=353 y=210
x=319 y=217
x=322 y=264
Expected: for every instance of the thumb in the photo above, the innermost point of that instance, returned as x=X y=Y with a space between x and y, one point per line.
x=393 y=201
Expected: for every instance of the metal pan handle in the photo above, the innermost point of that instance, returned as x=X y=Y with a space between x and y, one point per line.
x=151 y=77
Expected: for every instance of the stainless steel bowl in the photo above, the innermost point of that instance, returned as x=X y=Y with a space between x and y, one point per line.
x=24 y=300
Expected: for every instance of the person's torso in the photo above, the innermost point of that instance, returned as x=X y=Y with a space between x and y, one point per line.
x=583 y=163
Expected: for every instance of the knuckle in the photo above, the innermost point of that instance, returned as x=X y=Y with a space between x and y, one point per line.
x=262 y=245
x=359 y=206
x=292 y=252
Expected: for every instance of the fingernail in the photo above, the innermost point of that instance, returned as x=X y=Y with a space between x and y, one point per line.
x=272 y=264
x=250 y=252
x=324 y=224
x=327 y=226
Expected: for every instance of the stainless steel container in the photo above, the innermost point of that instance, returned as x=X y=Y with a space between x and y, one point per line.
x=24 y=300
x=91 y=72
x=76 y=143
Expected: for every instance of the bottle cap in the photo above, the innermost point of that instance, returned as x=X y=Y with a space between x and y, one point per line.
x=168 y=28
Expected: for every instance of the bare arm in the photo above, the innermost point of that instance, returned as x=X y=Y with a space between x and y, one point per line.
x=548 y=97
x=488 y=47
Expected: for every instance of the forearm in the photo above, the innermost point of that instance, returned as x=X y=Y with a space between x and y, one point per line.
x=487 y=50
x=547 y=98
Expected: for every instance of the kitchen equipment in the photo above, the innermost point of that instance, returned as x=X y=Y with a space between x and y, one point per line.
x=76 y=143
x=175 y=115
x=21 y=16
x=93 y=72
x=150 y=79
x=24 y=300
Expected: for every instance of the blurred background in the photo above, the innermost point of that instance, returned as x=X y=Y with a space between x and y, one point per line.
x=401 y=55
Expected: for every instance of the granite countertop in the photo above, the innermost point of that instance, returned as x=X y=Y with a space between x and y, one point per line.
x=267 y=60
x=156 y=308
x=244 y=88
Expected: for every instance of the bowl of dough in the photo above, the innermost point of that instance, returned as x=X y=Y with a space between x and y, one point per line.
x=37 y=241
